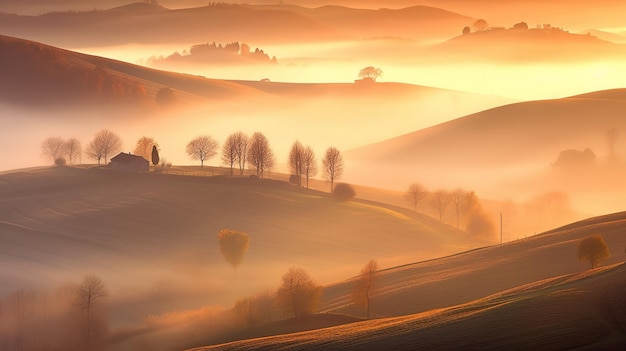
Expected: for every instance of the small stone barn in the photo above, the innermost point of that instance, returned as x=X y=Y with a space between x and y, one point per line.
x=129 y=163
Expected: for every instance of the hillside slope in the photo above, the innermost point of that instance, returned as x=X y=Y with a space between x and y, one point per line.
x=472 y=275
x=528 y=45
x=578 y=311
x=59 y=223
x=495 y=146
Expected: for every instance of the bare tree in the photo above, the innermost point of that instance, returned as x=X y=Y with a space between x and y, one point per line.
x=440 y=200
x=234 y=151
x=144 y=147
x=309 y=164
x=593 y=249
x=104 y=144
x=415 y=193
x=260 y=155
x=202 y=148
x=90 y=293
x=241 y=150
x=53 y=147
x=296 y=161
x=298 y=293
x=332 y=165
x=364 y=285
x=73 y=150
x=233 y=245
x=370 y=72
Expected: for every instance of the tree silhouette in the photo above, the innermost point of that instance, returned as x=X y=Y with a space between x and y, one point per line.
x=480 y=25
x=202 y=148
x=155 y=155
x=90 y=292
x=298 y=293
x=260 y=155
x=415 y=193
x=72 y=150
x=370 y=72
x=144 y=147
x=53 y=147
x=309 y=164
x=332 y=165
x=104 y=144
x=234 y=151
x=296 y=161
x=440 y=199
x=233 y=245
x=593 y=249
x=466 y=30
x=364 y=285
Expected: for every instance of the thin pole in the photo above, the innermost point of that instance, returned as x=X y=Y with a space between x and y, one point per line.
x=500 y=228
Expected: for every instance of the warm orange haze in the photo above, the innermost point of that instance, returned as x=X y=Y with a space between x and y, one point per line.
x=312 y=174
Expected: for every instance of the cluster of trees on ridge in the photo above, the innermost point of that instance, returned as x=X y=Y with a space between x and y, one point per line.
x=215 y=53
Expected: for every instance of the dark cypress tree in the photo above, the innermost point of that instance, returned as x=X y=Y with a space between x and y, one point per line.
x=155 y=155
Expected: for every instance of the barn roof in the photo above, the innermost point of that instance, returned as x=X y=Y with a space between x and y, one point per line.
x=128 y=158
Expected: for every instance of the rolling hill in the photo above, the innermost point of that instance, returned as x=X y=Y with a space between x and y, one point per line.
x=493 y=147
x=224 y=23
x=57 y=224
x=532 y=293
x=38 y=74
x=579 y=311
x=528 y=45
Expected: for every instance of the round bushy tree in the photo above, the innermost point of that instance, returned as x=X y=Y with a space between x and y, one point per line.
x=593 y=249
x=233 y=245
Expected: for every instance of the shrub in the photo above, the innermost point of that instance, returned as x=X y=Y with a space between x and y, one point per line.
x=344 y=192
x=60 y=161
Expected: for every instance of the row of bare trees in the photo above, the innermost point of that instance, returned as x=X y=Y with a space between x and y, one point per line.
x=60 y=151
x=238 y=151
x=72 y=317
x=467 y=210
x=104 y=144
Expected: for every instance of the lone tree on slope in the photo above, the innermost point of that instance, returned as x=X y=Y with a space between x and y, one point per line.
x=233 y=245
x=593 y=249
x=298 y=293
x=364 y=285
